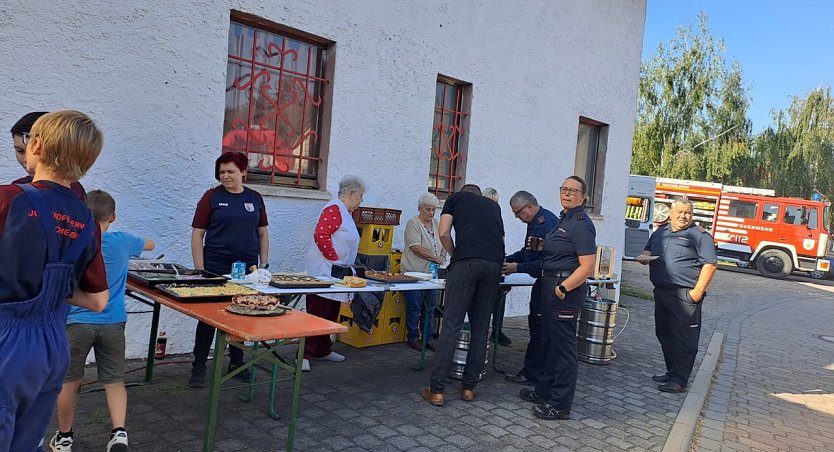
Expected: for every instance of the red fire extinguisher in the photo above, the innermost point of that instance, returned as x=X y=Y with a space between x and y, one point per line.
x=161 y=342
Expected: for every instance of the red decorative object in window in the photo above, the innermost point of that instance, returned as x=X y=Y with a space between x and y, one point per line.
x=446 y=167
x=274 y=90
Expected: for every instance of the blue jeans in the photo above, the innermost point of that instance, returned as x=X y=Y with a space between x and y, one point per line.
x=414 y=311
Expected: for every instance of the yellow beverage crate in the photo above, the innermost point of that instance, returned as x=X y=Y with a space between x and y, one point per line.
x=393 y=304
x=375 y=238
x=396 y=257
x=344 y=309
x=356 y=337
x=393 y=329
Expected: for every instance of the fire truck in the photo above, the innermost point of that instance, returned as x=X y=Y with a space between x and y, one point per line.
x=752 y=227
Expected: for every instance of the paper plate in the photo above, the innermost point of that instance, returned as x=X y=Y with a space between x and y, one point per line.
x=419 y=275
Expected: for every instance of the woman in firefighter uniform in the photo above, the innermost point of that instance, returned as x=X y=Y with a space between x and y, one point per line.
x=567 y=262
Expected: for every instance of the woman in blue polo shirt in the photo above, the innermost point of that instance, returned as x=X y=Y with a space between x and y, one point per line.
x=229 y=225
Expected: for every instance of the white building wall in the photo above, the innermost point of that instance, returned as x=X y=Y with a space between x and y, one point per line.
x=153 y=75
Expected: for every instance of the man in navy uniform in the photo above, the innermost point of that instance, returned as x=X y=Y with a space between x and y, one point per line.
x=682 y=261
x=540 y=222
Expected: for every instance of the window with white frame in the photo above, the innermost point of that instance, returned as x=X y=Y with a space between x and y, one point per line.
x=591 y=144
x=277 y=101
x=449 y=138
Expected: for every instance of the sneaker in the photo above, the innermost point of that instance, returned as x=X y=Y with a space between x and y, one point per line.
x=244 y=375
x=305 y=365
x=60 y=444
x=333 y=357
x=548 y=413
x=503 y=340
x=529 y=395
x=198 y=377
x=118 y=442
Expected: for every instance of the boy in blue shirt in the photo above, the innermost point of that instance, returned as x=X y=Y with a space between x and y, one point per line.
x=103 y=331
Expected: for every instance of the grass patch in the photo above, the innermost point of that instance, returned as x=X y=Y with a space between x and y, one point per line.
x=637 y=293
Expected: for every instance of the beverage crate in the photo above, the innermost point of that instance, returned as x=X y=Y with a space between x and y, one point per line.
x=376 y=215
x=375 y=238
x=344 y=309
x=393 y=304
x=356 y=337
x=395 y=259
x=393 y=329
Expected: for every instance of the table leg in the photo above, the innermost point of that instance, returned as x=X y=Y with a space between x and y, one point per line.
x=499 y=322
x=214 y=393
x=152 y=343
x=272 y=391
x=296 y=392
x=425 y=323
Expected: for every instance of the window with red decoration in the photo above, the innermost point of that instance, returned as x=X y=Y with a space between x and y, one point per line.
x=449 y=138
x=276 y=95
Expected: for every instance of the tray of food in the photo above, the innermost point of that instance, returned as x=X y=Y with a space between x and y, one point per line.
x=153 y=278
x=154 y=266
x=388 y=277
x=257 y=305
x=194 y=293
x=297 y=281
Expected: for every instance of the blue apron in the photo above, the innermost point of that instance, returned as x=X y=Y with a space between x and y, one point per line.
x=35 y=352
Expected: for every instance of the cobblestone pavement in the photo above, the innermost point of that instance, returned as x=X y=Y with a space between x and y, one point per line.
x=371 y=401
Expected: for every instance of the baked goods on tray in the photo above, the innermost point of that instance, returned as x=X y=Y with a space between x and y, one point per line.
x=353 y=281
x=297 y=280
x=257 y=302
x=389 y=277
x=206 y=293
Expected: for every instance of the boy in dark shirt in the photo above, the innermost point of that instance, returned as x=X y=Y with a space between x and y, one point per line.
x=49 y=246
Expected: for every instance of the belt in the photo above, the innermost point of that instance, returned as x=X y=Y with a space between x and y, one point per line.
x=556 y=273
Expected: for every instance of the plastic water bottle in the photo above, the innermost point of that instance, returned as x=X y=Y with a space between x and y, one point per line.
x=239 y=270
x=433 y=269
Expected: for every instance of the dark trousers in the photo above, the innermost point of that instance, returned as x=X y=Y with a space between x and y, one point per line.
x=471 y=288
x=559 y=317
x=534 y=358
x=677 y=324
x=419 y=305
x=321 y=346
x=203 y=338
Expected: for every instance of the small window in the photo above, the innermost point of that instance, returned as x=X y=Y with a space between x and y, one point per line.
x=770 y=212
x=812 y=218
x=793 y=215
x=277 y=94
x=591 y=143
x=449 y=138
x=742 y=209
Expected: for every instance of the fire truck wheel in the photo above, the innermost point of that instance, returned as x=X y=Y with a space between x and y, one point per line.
x=774 y=264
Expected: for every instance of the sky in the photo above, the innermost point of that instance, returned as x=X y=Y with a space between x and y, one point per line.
x=784 y=48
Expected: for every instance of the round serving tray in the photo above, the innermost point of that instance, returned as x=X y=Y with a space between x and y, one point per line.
x=235 y=309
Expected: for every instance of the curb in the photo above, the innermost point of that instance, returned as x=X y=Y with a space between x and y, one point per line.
x=680 y=438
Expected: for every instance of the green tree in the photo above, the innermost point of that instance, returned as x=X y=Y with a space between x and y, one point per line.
x=692 y=111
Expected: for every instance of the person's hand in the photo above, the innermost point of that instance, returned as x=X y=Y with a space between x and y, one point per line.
x=696 y=297
x=559 y=294
x=535 y=243
x=439 y=260
x=644 y=259
x=509 y=267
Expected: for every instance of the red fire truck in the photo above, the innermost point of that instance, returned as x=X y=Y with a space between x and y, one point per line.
x=752 y=227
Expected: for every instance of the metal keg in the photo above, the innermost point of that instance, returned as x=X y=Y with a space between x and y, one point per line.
x=461 y=351
x=595 y=335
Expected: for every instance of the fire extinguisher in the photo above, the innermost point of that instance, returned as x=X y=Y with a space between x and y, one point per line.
x=161 y=342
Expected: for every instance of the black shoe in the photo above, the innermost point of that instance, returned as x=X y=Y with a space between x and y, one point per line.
x=519 y=379
x=198 y=377
x=662 y=378
x=548 y=413
x=244 y=375
x=529 y=395
x=503 y=340
x=671 y=387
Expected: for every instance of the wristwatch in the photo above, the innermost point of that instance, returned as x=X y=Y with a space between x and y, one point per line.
x=263 y=265
x=562 y=289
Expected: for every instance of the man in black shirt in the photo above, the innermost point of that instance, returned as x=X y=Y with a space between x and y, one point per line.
x=471 y=285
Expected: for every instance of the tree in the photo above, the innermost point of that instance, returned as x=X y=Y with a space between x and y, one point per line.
x=692 y=111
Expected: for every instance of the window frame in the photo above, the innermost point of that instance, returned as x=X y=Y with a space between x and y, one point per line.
x=462 y=112
x=733 y=208
x=295 y=178
x=596 y=182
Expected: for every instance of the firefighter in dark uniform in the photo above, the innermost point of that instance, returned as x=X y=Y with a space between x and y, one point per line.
x=682 y=262
x=567 y=262
x=540 y=222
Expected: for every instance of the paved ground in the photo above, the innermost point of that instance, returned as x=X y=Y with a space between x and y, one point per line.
x=772 y=391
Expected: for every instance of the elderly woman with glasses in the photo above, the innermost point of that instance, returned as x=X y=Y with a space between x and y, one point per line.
x=335 y=241
x=422 y=247
x=567 y=262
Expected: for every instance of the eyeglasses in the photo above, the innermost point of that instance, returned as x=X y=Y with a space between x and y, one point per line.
x=24 y=137
x=516 y=212
x=569 y=191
